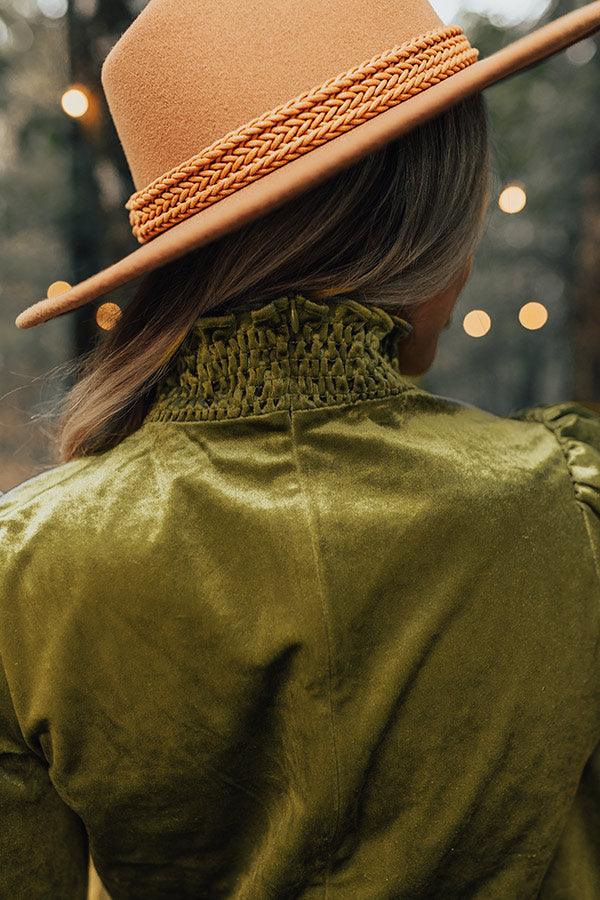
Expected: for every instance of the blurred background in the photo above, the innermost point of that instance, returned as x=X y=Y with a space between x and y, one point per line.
x=525 y=331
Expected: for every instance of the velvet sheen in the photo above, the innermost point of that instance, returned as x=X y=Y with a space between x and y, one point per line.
x=309 y=632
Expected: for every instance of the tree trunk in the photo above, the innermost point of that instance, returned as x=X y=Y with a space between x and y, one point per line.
x=100 y=231
x=586 y=295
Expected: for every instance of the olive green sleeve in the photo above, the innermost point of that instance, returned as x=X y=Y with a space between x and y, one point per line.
x=576 y=427
x=43 y=844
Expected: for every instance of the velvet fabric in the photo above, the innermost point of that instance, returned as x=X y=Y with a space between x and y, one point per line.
x=309 y=632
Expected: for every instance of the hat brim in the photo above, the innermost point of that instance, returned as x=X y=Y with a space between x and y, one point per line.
x=274 y=189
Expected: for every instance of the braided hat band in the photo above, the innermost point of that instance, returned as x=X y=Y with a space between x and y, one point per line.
x=287 y=132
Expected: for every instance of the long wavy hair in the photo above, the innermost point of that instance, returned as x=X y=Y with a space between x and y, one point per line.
x=393 y=229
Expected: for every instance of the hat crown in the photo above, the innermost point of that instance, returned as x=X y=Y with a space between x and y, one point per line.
x=187 y=72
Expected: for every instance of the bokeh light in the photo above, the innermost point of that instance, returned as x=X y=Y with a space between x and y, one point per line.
x=108 y=315
x=477 y=323
x=27 y=8
x=53 y=9
x=75 y=103
x=512 y=199
x=58 y=287
x=533 y=315
x=20 y=36
x=580 y=54
x=500 y=12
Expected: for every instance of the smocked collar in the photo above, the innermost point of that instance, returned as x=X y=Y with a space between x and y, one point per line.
x=292 y=353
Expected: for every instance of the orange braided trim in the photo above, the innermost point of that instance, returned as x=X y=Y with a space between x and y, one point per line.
x=289 y=131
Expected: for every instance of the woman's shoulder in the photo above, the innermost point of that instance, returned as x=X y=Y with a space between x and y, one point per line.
x=566 y=420
x=576 y=429
x=37 y=485
x=67 y=494
x=578 y=418
x=565 y=435
x=550 y=450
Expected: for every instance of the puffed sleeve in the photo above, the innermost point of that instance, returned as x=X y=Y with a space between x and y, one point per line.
x=43 y=844
x=576 y=427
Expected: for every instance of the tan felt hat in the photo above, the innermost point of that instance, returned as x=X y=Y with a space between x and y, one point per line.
x=226 y=110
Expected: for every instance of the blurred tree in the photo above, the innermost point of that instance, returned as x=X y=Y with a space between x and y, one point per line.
x=546 y=133
x=584 y=261
x=586 y=292
x=63 y=186
x=98 y=234
x=35 y=194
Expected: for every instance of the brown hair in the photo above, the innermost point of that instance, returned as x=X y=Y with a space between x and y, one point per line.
x=394 y=229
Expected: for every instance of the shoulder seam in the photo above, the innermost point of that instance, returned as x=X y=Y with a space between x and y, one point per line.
x=562 y=441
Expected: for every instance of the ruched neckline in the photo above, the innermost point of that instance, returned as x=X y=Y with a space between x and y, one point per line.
x=292 y=353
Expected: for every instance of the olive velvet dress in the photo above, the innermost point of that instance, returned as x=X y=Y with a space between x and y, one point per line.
x=309 y=632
